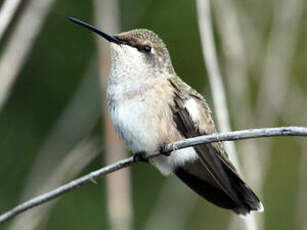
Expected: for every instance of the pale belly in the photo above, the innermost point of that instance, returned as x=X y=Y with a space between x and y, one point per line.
x=136 y=125
x=145 y=129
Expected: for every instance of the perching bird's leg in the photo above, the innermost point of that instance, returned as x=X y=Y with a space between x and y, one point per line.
x=140 y=156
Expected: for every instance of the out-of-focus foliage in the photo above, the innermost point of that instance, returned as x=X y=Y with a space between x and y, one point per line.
x=64 y=55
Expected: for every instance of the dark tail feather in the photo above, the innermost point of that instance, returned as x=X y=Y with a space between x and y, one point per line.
x=216 y=179
x=205 y=189
x=249 y=200
x=215 y=195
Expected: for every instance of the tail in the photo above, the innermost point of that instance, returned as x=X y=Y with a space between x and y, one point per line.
x=212 y=176
x=204 y=184
x=248 y=199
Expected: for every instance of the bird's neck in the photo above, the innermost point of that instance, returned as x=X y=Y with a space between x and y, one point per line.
x=124 y=85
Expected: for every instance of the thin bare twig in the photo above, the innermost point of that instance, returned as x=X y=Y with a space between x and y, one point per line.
x=62 y=137
x=70 y=166
x=228 y=136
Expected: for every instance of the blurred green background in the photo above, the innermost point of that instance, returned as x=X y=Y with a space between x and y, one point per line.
x=52 y=121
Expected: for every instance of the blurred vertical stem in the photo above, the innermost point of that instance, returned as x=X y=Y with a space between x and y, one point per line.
x=216 y=84
x=236 y=70
x=20 y=43
x=275 y=79
x=235 y=58
x=8 y=10
x=118 y=183
x=215 y=79
x=278 y=59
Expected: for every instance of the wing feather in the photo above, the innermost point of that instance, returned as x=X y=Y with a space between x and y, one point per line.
x=212 y=156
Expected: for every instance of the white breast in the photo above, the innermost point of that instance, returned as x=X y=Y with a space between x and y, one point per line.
x=132 y=122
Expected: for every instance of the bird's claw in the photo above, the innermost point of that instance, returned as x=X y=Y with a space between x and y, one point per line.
x=164 y=152
x=140 y=156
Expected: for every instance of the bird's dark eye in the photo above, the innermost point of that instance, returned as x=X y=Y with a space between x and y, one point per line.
x=147 y=48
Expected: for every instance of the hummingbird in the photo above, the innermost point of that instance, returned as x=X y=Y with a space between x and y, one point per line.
x=151 y=106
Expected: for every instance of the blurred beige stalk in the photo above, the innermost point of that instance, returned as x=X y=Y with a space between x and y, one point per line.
x=236 y=70
x=20 y=43
x=73 y=163
x=275 y=77
x=277 y=61
x=216 y=83
x=275 y=80
x=214 y=74
x=7 y=12
x=118 y=183
x=236 y=66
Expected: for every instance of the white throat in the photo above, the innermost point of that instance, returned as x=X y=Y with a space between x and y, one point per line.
x=129 y=73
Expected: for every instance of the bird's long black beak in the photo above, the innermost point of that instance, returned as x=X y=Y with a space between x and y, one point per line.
x=108 y=37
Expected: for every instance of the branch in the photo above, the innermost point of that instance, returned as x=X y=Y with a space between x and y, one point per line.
x=227 y=136
x=68 y=167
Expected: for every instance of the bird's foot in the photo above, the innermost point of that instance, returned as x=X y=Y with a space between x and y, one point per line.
x=164 y=152
x=140 y=156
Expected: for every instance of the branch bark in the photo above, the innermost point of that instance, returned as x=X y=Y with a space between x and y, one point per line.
x=227 y=136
